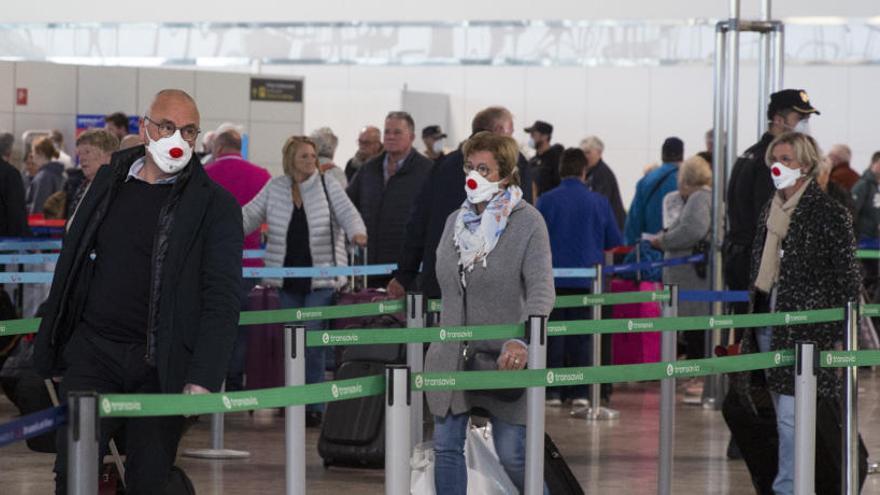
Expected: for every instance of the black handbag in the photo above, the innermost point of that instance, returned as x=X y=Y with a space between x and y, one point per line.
x=488 y=361
x=702 y=247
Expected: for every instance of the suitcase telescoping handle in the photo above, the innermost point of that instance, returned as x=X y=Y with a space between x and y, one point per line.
x=351 y=259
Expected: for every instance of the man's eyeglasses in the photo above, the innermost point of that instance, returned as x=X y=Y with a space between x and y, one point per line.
x=167 y=128
x=481 y=169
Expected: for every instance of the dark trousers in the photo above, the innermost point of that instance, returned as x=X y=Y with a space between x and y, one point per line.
x=570 y=350
x=235 y=372
x=97 y=364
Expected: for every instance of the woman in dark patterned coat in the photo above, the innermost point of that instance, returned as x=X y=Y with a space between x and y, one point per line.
x=803 y=258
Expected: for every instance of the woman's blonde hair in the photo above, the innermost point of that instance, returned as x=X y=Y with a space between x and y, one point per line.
x=288 y=152
x=504 y=149
x=806 y=151
x=695 y=172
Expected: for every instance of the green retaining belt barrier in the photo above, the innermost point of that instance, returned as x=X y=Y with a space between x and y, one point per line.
x=868 y=254
x=413 y=335
x=178 y=404
x=684 y=323
x=321 y=313
x=18 y=327
x=583 y=300
x=845 y=359
x=556 y=377
x=139 y=405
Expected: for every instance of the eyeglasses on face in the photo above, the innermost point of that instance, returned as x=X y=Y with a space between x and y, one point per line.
x=167 y=128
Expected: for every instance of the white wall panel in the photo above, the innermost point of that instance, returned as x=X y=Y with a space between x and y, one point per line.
x=151 y=81
x=7 y=86
x=104 y=90
x=51 y=87
x=557 y=95
x=222 y=96
x=680 y=105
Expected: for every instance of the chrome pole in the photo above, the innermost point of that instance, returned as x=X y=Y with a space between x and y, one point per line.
x=295 y=416
x=83 y=432
x=415 y=358
x=667 y=402
x=850 y=482
x=535 y=396
x=764 y=70
x=398 y=406
x=806 y=364
x=596 y=411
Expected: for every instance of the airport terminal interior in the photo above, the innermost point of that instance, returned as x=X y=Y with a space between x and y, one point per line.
x=493 y=248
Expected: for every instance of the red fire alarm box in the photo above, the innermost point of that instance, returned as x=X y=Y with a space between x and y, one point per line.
x=21 y=96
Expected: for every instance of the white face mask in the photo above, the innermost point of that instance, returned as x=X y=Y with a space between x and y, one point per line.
x=532 y=143
x=437 y=147
x=478 y=189
x=171 y=154
x=803 y=126
x=783 y=176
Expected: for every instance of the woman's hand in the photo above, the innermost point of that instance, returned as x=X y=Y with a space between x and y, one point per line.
x=514 y=356
x=360 y=240
x=656 y=243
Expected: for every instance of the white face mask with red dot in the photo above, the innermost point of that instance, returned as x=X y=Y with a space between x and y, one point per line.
x=478 y=189
x=783 y=176
x=171 y=154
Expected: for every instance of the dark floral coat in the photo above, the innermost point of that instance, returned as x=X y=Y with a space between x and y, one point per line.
x=818 y=270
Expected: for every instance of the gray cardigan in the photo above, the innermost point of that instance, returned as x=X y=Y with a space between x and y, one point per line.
x=516 y=283
x=679 y=239
x=274 y=204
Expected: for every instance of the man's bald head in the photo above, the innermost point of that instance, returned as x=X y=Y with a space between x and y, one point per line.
x=175 y=97
x=170 y=105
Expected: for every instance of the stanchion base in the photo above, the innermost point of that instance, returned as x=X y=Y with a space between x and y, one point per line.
x=217 y=454
x=602 y=414
x=709 y=403
x=873 y=468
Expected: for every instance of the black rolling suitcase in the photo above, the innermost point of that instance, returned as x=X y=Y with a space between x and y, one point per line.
x=557 y=475
x=754 y=431
x=353 y=431
x=829 y=427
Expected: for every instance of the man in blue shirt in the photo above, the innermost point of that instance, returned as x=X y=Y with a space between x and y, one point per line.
x=582 y=226
x=646 y=211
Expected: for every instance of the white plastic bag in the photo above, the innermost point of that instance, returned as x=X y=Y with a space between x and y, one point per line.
x=486 y=475
x=422 y=470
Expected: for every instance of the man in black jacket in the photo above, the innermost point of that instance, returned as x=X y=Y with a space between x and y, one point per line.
x=751 y=187
x=600 y=179
x=145 y=297
x=544 y=166
x=384 y=190
x=442 y=194
x=13 y=213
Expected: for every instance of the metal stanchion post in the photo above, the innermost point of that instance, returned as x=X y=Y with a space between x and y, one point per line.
x=398 y=409
x=667 y=402
x=596 y=411
x=82 y=443
x=806 y=364
x=534 y=483
x=217 y=451
x=850 y=481
x=415 y=358
x=295 y=416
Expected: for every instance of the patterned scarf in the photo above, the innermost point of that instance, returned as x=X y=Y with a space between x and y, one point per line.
x=778 y=222
x=476 y=235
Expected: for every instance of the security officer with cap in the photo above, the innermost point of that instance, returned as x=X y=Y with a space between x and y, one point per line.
x=544 y=166
x=433 y=137
x=751 y=187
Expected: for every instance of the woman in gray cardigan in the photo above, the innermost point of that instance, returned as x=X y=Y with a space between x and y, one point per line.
x=679 y=238
x=301 y=207
x=493 y=267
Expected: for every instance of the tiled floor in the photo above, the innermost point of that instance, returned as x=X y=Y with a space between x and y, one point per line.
x=617 y=457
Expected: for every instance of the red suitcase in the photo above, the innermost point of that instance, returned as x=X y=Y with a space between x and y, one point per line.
x=264 y=366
